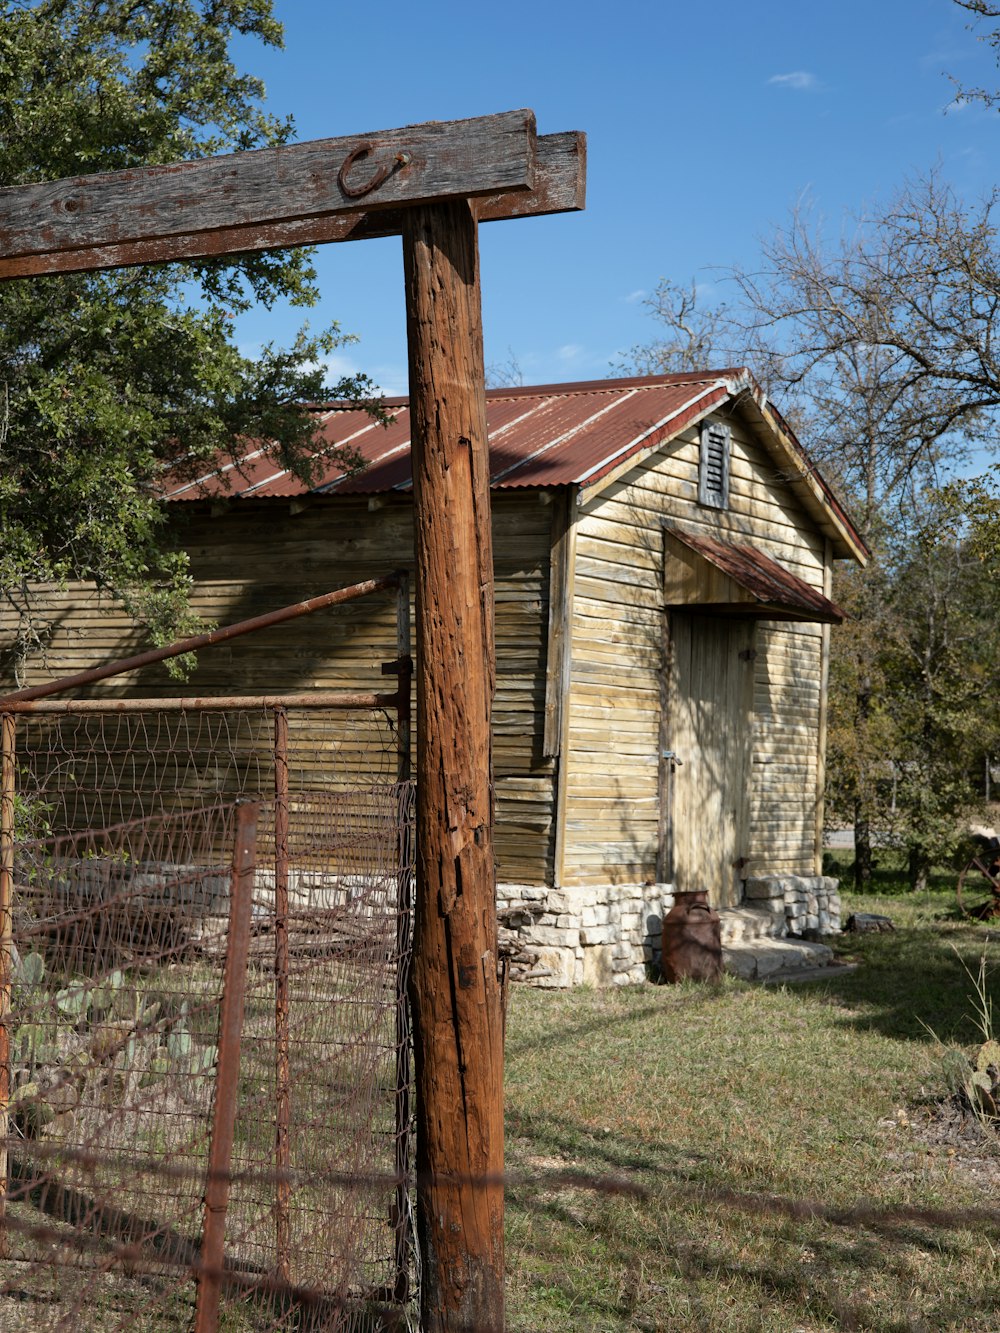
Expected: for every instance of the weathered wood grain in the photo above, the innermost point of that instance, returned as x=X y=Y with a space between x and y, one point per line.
x=338 y=541
x=617 y=653
x=457 y=1014
x=557 y=677
x=137 y=216
x=560 y=187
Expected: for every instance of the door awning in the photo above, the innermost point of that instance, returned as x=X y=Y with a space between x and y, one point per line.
x=726 y=578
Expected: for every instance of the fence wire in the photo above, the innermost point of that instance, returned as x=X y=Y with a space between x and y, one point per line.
x=128 y=887
x=89 y=769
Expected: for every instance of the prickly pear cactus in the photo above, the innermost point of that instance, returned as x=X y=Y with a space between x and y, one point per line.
x=988 y=1054
x=982 y=1086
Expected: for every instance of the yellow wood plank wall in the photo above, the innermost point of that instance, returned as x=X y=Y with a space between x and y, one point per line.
x=612 y=797
x=256 y=557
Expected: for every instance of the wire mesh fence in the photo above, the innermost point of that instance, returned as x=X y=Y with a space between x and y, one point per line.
x=91 y=764
x=207 y=1093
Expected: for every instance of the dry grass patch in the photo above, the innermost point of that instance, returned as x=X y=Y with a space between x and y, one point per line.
x=775 y=1173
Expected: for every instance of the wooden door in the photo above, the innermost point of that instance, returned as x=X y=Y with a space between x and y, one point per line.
x=705 y=782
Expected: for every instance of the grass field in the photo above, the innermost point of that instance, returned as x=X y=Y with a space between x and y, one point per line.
x=781 y=1155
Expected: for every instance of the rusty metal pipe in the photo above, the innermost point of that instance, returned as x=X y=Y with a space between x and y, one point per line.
x=234 y=976
x=201 y=703
x=199 y=641
x=7 y=794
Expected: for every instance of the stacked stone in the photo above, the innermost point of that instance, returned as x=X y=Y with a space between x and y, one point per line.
x=595 y=935
x=811 y=903
x=610 y=934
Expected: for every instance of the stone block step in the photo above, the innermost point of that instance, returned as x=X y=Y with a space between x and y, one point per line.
x=762 y=958
x=753 y=923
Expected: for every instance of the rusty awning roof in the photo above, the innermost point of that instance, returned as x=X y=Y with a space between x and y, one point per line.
x=731 y=578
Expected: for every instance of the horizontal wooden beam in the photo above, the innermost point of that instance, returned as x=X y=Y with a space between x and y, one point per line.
x=560 y=187
x=253 y=200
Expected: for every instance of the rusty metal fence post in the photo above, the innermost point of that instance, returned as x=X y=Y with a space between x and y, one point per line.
x=7 y=779
x=402 y=1219
x=282 y=1099
x=212 y=1258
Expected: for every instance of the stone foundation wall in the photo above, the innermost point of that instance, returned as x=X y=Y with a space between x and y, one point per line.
x=809 y=904
x=610 y=935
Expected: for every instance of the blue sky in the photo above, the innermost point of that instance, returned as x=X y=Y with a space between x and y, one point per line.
x=706 y=123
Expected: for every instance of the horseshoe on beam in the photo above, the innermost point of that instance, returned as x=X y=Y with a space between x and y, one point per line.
x=355 y=155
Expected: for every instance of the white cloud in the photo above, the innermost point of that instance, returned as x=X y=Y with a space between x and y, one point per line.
x=570 y=352
x=800 y=80
x=638 y=295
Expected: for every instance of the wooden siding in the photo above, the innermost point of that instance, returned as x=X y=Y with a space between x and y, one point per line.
x=601 y=739
x=255 y=557
x=612 y=779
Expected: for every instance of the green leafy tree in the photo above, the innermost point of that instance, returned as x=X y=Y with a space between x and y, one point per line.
x=942 y=666
x=108 y=380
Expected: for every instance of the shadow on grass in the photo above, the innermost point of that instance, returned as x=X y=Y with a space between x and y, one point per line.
x=911 y=979
x=712 y=1245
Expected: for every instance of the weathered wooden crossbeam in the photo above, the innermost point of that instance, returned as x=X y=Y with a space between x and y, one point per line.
x=340 y=189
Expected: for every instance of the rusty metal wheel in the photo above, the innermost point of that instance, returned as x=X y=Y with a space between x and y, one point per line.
x=986 y=909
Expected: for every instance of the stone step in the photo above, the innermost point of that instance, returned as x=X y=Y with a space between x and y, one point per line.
x=744 y=923
x=754 y=960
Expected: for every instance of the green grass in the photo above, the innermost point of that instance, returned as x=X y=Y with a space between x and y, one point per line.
x=769 y=1144
x=889 y=873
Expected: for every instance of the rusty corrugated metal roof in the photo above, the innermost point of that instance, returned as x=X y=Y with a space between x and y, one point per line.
x=554 y=435
x=770 y=584
x=549 y=435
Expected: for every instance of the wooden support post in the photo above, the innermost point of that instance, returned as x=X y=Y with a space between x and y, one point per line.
x=7 y=792
x=458 y=1034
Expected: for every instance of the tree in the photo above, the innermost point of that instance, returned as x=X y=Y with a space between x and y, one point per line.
x=107 y=380
x=925 y=635
x=695 y=335
x=983 y=9
x=943 y=671
x=900 y=313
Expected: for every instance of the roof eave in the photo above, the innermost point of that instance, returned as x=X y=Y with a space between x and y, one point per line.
x=804 y=477
x=701 y=405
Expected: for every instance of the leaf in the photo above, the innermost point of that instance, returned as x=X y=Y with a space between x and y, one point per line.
x=204 y=1059
x=980 y=1088
x=159 y=1067
x=179 y=1043
x=29 y=1041
x=73 y=1000
x=32 y=969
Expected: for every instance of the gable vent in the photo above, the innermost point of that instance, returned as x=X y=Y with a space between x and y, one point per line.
x=713 y=465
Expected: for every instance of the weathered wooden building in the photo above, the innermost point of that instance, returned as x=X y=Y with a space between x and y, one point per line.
x=663 y=554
